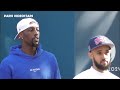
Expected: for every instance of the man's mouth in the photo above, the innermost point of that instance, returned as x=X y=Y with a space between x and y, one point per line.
x=36 y=39
x=104 y=62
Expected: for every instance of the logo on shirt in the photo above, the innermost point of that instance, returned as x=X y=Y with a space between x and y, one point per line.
x=34 y=69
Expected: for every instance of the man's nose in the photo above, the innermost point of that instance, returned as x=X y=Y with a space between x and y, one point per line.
x=36 y=32
x=36 y=35
x=104 y=56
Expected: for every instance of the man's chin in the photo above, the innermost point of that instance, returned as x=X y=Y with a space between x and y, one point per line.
x=102 y=66
x=35 y=45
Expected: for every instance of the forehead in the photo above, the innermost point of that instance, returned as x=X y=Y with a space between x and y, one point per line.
x=32 y=27
x=104 y=47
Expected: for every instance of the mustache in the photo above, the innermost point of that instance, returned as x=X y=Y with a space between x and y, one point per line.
x=104 y=60
x=35 y=37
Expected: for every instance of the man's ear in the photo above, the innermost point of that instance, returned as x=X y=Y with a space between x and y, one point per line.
x=90 y=55
x=20 y=36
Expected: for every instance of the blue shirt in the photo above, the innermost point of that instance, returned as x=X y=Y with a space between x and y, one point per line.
x=18 y=65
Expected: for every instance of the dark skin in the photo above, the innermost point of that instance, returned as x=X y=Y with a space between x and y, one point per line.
x=30 y=40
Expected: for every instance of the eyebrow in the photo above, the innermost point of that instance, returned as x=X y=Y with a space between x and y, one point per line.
x=101 y=50
x=98 y=50
x=33 y=27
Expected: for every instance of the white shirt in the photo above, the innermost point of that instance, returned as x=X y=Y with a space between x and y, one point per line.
x=94 y=74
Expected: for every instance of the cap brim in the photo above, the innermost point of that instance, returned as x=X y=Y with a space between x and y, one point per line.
x=16 y=37
x=108 y=44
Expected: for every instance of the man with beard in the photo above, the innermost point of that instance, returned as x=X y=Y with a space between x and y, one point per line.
x=101 y=50
x=29 y=60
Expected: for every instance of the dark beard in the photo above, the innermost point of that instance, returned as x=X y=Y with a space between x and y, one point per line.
x=33 y=44
x=101 y=67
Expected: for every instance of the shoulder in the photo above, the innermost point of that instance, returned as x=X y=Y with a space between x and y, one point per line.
x=50 y=57
x=83 y=74
x=5 y=62
x=113 y=76
x=48 y=54
x=6 y=59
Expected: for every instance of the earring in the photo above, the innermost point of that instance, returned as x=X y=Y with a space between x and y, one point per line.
x=21 y=38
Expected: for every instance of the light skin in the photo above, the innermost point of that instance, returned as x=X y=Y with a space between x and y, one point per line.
x=30 y=40
x=100 y=58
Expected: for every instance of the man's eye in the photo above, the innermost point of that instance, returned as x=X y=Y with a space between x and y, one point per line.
x=106 y=53
x=99 y=53
x=30 y=29
x=37 y=29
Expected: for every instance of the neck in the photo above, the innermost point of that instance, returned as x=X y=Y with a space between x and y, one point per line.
x=29 y=49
